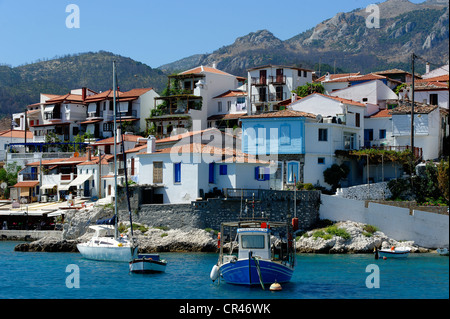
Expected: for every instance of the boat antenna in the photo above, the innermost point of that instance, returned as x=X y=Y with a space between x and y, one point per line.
x=116 y=234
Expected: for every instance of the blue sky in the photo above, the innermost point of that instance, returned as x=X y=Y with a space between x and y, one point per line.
x=153 y=32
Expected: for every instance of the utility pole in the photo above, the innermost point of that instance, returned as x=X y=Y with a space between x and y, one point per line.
x=412 y=115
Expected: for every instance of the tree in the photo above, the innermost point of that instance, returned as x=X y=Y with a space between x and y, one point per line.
x=309 y=88
x=334 y=174
x=442 y=177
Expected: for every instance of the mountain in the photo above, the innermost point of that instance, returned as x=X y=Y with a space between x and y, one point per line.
x=22 y=85
x=344 y=41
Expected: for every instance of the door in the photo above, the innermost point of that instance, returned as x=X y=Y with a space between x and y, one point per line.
x=368 y=137
x=262 y=76
x=276 y=180
x=86 y=189
x=279 y=76
x=157 y=172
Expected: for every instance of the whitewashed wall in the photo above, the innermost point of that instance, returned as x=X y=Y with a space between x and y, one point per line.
x=426 y=229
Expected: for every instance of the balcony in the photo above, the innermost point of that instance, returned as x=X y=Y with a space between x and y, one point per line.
x=94 y=115
x=271 y=97
x=261 y=81
x=277 y=80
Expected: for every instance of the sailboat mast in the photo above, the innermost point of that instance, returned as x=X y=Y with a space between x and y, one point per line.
x=115 y=151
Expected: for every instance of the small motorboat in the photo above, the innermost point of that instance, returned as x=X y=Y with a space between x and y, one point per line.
x=259 y=260
x=148 y=264
x=394 y=252
x=442 y=251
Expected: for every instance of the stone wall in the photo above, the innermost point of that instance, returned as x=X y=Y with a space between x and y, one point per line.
x=376 y=191
x=210 y=213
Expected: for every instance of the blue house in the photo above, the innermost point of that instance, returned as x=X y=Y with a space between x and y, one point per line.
x=278 y=137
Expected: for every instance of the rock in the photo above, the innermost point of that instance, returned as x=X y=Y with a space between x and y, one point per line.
x=359 y=241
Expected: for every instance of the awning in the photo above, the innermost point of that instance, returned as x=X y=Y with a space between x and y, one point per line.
x=80 y=179
x=63 y=187
x=49 y=108
x=48 y=186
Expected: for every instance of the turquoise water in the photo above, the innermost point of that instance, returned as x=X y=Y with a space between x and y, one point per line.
x=27 y=275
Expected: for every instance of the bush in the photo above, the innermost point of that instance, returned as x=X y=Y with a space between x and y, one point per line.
x=370 y=229
x=333 y=230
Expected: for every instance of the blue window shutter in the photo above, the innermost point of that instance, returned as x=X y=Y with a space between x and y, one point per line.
x=223 y=169
x=257 y=173
x=177 y=173
x=211 y=173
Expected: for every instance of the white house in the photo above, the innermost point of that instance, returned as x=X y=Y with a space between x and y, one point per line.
x=428 y=131
x=132 y=106
x=231 y=105
x=183 y=173
x=332 y=84
x=375 y=94
x=433 y=91
x=191 y=99
x=268 y=85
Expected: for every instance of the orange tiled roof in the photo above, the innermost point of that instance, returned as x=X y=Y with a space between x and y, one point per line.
x=231 y=93
x=382 y=113
x=126 y=137
x=202 y=68
x=27 y=184
x=336 y=76
x=440 y=78
x=16 y=134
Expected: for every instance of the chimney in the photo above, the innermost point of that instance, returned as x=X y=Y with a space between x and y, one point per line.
x=83 y=93
x=293 y=97
x=427 y=67
x=88 y=149
x=151 y=144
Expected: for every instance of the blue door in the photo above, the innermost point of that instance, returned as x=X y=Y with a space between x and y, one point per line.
x=86 y=189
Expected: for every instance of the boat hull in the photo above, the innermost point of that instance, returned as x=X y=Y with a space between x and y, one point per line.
x=114 y=253
x=147 y=265
x=393 y=254
x=243 y=272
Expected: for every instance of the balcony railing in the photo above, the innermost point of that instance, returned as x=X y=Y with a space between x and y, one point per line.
x=271 y=97
x=259 y=81
x=278 y=79
x=92 y=115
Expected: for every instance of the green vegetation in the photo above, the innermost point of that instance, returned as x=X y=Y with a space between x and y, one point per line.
x=8 y=175
x=369 y=230
x=334 y=174
x=430 y=187
x=305 y=186
x=309 y=88
x=330 y=231
x=165 y=228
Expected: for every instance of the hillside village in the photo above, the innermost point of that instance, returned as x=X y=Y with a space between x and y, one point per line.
x=210 y=133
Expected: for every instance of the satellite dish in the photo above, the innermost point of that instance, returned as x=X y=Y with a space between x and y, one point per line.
x=319 y=117
x=4 y=185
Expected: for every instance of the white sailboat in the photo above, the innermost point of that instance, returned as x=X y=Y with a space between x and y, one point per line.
x=106 y=244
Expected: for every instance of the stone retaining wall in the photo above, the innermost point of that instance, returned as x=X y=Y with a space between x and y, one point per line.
x=376 y=191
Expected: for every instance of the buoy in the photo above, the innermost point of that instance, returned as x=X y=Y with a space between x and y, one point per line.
x=384 y=257
x=214 y=273
x=275 y=286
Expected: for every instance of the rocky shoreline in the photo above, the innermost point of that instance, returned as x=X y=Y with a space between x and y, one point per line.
x=350 y=237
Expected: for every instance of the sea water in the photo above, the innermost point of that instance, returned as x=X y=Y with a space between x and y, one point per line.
x=40 y=275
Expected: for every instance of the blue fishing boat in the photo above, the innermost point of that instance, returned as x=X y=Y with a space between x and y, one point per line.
x=266 y=253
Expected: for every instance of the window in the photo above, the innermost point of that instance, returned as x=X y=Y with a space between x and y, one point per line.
x=211 y=173
x=219 y=106
x=292 y=172
x=285 y=134
x=228 y=106
x=305 y=74
x=177 y=173
x=323 y=134
x=252 y=241
x=357 y=119
x=382 y=134
x=262 y=173
x=349 y=140
x=223 y=169
x=321 y=160
x=434 y=99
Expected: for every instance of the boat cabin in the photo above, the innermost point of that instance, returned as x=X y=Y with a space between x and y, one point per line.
x=256 y=240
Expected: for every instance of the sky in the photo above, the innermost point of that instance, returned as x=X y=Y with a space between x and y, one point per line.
x=154 y=32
